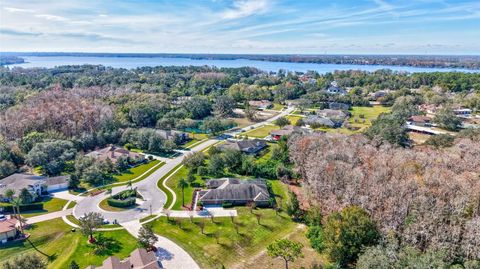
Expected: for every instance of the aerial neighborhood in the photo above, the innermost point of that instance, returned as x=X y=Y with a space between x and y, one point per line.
x=240 y=134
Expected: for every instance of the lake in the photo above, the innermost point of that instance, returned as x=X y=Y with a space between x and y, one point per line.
x=134 y=62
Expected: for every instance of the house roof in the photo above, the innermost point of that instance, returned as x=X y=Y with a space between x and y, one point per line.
x=332 y=113
x=57 y=180
x=8 y=225
x=113 y=153
x=319 y=120
x=247 y=145
x=261 y=103
x=20 y=181
x=420 y=118
x=139 y=259
x=240 y=190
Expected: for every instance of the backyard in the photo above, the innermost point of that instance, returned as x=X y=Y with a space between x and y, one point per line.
x=55 y=239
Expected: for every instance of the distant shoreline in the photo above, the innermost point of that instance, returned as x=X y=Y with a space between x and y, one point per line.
x=471 y=62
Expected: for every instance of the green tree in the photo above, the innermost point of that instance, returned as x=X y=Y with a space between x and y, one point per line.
x=347 y=232
x=389 y=128
x=183 y=183
x=51 y=155
x=288 y=250
x=293 y=207
x=25 y=196
x=146 y=237
x=440 y=141
x=25 y=261
x=315 y=235
x=447 y=120
x=89 y=223
x=282 y=121
x=74 y=265
x=6 y=168
x=224 y=106
x=216 y=165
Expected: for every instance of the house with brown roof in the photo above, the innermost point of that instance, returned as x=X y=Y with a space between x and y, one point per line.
x=114 y=153
x=139 y=259
x=8 y=229
x=261 y=104
x=286 y=131
x=420 y=120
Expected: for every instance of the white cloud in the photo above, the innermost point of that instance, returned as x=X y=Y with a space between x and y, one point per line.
x=19 y=10
x=245 y=8
x=50 y=17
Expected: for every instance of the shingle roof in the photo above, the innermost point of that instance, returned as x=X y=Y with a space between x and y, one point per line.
x=242 y=191
x=57 y=180
x=19 y=181
x=249 y=146
x=7 y=225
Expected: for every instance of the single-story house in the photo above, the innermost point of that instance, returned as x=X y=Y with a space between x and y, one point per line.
x=8 y=229
x=236 y=192
x=286 y=131
x=262 y=104
x=335 y=89
x=173 y=134
x=332 y=114
x=247 y=146
x=338 y=106
x=318 y=120
x=36 y=185
x=420 y=120
x=114 y=153
x=139 y=259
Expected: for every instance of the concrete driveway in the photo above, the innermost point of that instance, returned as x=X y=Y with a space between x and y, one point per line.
x=154 y=197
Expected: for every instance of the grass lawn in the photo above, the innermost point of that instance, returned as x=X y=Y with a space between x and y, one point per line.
x=198 y=136
x=311 y=257
x=55 y=239
x=242 y=122
x=362 y=116
x=173 y=182
x=50 y=204
x=261 y=132
x=293 y=119
x=169 y=194
x=277 y=106
x=232 y=248
x=136 y=171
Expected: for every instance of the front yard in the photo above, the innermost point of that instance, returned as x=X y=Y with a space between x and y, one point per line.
x=261 y=132
x=136 y=171
x=50 y=204
x=55 y=239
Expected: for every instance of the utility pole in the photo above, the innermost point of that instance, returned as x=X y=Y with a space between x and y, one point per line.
x=150 y=209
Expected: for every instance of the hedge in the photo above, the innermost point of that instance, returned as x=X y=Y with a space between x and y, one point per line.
x=27 y=207
x=121 y=203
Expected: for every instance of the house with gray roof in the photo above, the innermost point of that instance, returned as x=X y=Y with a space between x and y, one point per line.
x=236 y=192
x=36 y=185
x=335 y=89
x=252 y=146
x=321 y=121
x=139 y=259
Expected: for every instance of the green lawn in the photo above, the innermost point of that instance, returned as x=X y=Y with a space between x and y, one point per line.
x=362 y=116
x=232 y=247
x=277 y=106
x=261 y=132
x=50 y=204
x=55 y=239
x=169 y=194
x=173 y=182
x=281 y=193
x=105 y=206
x=136 y=171
x=293 y=119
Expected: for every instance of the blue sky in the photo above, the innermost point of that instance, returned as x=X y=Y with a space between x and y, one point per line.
x=242 y=26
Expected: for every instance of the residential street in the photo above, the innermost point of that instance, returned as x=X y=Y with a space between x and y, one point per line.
x=154 y=197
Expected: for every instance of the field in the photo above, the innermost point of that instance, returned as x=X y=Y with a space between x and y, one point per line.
x=136 y=171
x=261 y=132
x=293 y=119
x=362 y=116
x=232 y=247
x=55 y=239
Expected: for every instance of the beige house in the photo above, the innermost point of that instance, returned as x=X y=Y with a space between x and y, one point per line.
x=139 y=259
x=8 y=229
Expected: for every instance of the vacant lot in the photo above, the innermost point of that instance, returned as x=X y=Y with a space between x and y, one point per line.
x=261 y=132
x=362 y=116
x=136 y=171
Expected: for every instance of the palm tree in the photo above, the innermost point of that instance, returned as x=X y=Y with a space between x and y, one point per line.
x=183 y=183
x=16 y=204
x=129 y=184
x=9 y=194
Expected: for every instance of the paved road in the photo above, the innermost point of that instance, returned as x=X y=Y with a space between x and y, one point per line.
x=170 y=254
x=155 y=198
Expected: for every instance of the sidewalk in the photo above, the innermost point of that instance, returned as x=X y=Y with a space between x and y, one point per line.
x=49 y=216
x=170 y=254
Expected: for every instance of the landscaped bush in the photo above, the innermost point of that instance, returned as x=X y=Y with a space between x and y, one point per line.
x=28 y=207
x=130 y=201
x=123 y=199
x=227 y=205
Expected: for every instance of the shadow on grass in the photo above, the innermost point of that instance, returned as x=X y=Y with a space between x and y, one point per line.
x=105 y=246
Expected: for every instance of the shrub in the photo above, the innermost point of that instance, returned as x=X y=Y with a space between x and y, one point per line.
x=130 y=201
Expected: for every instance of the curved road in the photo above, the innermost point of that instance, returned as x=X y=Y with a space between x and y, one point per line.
x=152 y=195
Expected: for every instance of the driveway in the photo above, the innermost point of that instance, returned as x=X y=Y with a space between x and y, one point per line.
x=154 y=197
